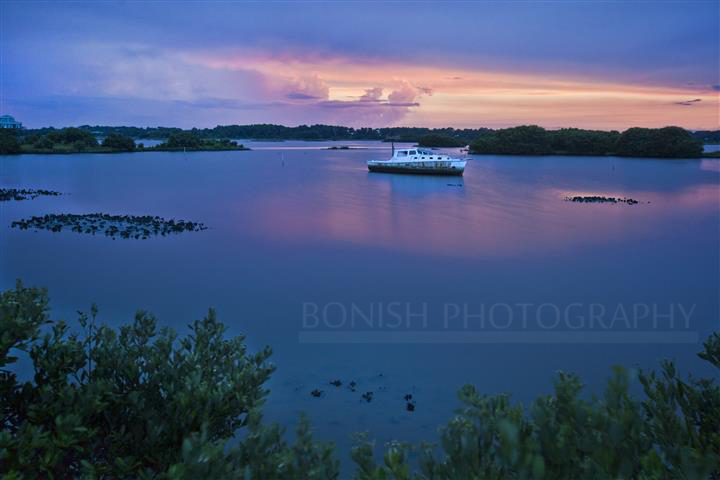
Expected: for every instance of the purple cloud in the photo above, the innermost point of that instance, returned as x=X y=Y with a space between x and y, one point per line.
x=688 y=103
x=372 y=95
x=301 y=96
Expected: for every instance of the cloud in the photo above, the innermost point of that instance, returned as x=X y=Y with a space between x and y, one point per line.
x=372 y=95
x=226 y=104
x=716 y=87
x=300 y=96
x=688 y=103
x=406 y=93
x=300 y=87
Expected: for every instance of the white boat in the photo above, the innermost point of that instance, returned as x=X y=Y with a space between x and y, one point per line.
x=419 y=160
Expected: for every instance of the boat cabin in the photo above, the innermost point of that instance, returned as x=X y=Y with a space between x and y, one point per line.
x=417 y=154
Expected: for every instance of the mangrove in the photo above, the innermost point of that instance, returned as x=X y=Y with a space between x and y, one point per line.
x=667 y=142
x=141 y=401
x=79 y=140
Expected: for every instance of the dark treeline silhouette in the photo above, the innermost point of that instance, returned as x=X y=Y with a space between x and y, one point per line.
x=707 y=136
x=281 y=132
x=437 y=140
x=81 y=140
x=669 y=142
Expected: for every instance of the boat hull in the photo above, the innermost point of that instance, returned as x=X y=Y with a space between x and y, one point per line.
x=455 y=168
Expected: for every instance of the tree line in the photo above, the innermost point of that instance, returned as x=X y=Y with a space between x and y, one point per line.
x=673 y=142
x=281 y=132
x=142 y=402
x=77 y=140
x=523 y=140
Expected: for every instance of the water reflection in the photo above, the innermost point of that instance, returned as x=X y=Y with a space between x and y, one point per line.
x=496 y=209
x=292 y=225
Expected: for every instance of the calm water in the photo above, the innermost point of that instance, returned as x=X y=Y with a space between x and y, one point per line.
x=295 y=226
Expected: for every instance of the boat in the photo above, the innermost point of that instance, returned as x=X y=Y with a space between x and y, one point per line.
x=419 y=161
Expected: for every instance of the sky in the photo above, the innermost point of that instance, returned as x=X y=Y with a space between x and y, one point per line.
x=588 y=64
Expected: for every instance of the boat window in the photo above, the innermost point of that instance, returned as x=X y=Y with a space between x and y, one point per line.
x=413 y=152
x=402 y=153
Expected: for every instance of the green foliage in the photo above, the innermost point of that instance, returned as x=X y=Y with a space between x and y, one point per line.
x=635 y=142
x=183 y=140
x=707 y=136
x=192 y=141
x=435 y=140
x=43 y=143
x=8 y=142
x=281 y=132
x=658 y=142
x=117 y=141
x=672 y=434
x=137 y=402
x=73 y=136
x=523 y=140
x=575 y=141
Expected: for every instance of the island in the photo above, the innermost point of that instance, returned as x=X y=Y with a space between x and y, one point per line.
x=79 y=140
x=667 y=142
x=435 y=140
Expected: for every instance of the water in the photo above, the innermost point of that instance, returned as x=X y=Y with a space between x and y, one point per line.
x=293 y=226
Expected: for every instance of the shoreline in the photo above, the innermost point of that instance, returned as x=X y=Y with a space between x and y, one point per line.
x=137 y=150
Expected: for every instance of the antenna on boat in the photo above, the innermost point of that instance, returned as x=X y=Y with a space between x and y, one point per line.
x=392 y=144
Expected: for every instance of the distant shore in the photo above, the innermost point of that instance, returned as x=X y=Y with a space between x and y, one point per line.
x=76 y=140
x=667 y=142
x=61 y=151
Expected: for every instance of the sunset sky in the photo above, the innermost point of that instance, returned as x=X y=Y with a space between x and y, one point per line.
x=605 y=65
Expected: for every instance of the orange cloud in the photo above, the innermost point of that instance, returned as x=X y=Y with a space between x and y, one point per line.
x=472 y=98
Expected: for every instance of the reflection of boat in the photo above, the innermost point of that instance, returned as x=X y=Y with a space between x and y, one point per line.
x=418 y=160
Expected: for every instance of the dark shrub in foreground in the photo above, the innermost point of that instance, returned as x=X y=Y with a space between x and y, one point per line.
x=139 y=402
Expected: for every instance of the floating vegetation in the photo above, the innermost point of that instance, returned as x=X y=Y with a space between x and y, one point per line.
x=601 y=199
x=124 y=226
x=7 y=194
x=316 y=393
x=336 y=383
x=367 y=396
x=352 y=385
x=335 y=147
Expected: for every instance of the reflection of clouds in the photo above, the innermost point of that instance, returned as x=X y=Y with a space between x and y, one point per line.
x=486 y=217
x=712 y=165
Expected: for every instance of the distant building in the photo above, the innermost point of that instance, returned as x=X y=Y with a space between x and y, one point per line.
x=7 y=121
